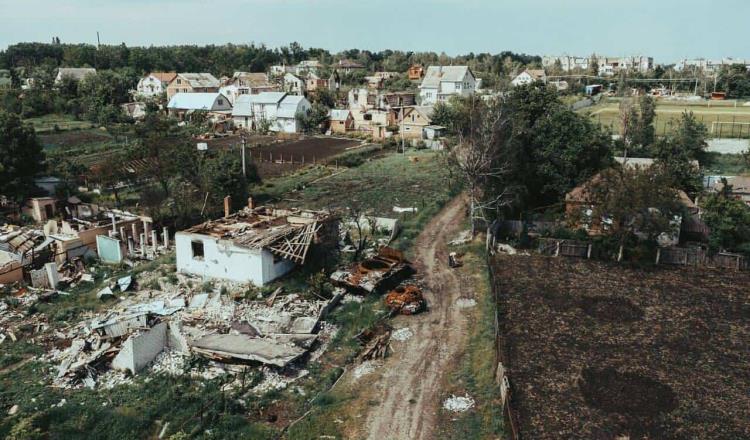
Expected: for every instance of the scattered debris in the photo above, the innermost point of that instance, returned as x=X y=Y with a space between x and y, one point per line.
x=506 y=248
x=458 y=403
x=376 y=342
x=402 y=210
x=462 y=238
x=465 y=303
x=402 y=334
x=454 y=260
x=407 y=300
x=13 y=410
x=364 y=369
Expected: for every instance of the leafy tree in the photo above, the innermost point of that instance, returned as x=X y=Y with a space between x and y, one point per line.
x=594 y=65
x=635 y=200
x=313 y=120
x=21 y=157
x=677 y=154
x=728 y=220
x=691 y=135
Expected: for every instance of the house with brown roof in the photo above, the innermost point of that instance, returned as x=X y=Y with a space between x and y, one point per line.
x=529 y=76
x=193 y=83
x=740 y=187
x=246 y=83
x=349 y=66
x=416 y=72
x=154 y=84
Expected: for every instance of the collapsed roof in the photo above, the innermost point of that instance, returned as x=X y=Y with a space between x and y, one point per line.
x=285 y=233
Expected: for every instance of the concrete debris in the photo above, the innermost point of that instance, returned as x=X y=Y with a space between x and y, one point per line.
x=462 y=238
x=458 y=403
x=506 y=248
x=465 y=303
x=273 y=380
x=365 y=368
x=105 y=292
x=454 y=260
x=124 y=283
x=13 y=410
x=407 y=300
x=385 y=269
x=402 y=334
x=401 y=210
x=232 y=347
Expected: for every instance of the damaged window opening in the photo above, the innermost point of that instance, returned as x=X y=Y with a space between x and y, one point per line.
x=197 y=247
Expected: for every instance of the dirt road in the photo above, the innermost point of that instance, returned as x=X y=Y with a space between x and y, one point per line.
x=409 y=390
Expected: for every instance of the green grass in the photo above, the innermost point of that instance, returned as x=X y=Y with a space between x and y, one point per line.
x=669 y=113
x=725 y=164
x=47 y=123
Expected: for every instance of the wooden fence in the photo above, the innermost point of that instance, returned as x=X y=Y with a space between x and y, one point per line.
x=566 y=248
x=501 y=357
x=698 y=257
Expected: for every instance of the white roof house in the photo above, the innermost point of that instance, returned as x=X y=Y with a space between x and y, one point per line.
x=340 y=114
x=442 y=82
x=278 y=108
x=209 y=102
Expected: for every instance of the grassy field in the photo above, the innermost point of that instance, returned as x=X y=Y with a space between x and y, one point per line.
x=47 y=123
x=418 y=179
x=668 y=113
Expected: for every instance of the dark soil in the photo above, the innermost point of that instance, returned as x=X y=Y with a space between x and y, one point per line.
x=597 y=350
x=75 y=138
x=626 y=393
x=611 y=309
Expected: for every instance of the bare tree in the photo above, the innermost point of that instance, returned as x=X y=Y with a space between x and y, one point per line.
x=478 y=157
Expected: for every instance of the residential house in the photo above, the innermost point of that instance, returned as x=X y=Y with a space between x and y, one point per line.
x=246 y=83
x=740 y=187
x=294 y=84
x=277 y=109
x=255 y=245
x=313 y=82
x=341 y=121
x=183 y=104
x=400 y=99
x=349 y=66
x=416 y=72
x=442 y=82
x=307 y=67
x=40 y=209
x=278 y=70
x=154 y=84
x=579 y=206
x=334 y=81
x=193 y=83
x=75 y=73
x=377 y=80
x=529 y=76
x=362 y=99
x=411 y=120
x=135 y=110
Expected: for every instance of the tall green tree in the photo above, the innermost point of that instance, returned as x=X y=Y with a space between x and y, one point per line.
x=21 y=157
x=728 y=220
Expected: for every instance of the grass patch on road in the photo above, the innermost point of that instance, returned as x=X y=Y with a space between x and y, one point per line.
x=475 y=373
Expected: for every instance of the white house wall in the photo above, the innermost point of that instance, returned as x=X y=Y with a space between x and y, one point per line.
x=224 y=260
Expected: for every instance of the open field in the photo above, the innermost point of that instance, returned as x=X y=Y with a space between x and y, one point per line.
x=47 y=123
x=599 y=350
x=735 y=120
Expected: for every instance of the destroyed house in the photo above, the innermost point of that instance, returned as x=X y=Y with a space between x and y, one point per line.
x=251 y=246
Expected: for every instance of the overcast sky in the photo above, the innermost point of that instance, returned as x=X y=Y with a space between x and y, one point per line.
x=665 y=29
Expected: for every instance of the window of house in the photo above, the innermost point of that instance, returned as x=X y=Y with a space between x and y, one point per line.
x=221 y=101
x=197 y=248
x=179 y=81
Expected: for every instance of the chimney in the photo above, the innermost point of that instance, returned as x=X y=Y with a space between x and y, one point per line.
x=250 y=203
x=227 y=206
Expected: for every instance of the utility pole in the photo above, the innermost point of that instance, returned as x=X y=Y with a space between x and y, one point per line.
x=403 y=147
x=244 y=171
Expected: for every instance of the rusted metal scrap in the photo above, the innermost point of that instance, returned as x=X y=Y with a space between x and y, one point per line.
x=388 y=267
x=407 y=300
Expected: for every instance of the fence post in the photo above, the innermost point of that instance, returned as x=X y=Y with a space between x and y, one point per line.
x=557 y=249
x=588 y=252
x=658 y=255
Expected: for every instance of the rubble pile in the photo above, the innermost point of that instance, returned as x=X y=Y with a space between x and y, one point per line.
x=157 y=329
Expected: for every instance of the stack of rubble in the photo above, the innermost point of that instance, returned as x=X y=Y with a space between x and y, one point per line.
x=407 y=300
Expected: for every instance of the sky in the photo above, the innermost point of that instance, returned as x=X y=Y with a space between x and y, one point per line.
x=667 y=30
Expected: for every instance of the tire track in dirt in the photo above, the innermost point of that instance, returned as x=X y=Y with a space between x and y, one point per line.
x=410 y=387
